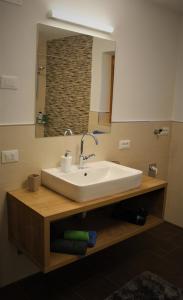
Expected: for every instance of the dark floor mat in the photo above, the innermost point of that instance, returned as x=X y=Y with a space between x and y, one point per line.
x=147 y=286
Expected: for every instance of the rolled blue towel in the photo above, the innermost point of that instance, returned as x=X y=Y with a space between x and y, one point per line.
x=92 y=239
x=69 y=246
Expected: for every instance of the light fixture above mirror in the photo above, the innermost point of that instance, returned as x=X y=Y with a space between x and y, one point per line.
x=57 y=15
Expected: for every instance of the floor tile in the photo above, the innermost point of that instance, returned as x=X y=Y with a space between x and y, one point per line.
x=166 y=244
x=176 y=258
x=74 y=274
x=144 y=261
x=46 y=286
x=96 y=288
x=177 y=280
x=166 y=230
x=12 y=291
x=159 y=250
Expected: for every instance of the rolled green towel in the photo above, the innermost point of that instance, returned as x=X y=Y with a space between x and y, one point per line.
x=76 y=235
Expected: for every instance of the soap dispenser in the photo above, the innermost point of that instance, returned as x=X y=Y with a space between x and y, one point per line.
x=66 y=162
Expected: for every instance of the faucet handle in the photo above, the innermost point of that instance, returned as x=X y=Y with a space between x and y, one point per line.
x=85 y=157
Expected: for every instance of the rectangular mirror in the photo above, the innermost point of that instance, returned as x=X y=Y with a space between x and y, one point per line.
x=75 y=75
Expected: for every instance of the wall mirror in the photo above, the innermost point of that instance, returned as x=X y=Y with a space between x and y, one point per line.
x=75 y=75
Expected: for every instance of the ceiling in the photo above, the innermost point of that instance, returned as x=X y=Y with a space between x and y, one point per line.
x=175 y=5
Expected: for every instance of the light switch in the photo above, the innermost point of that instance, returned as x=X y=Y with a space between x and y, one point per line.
x=9 y=156
x=124 y=144
x=9 y=82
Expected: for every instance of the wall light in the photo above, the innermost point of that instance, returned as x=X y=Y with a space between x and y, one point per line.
x=55 y=14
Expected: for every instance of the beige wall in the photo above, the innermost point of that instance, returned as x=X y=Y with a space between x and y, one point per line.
x=174 y=207
x=37 y=153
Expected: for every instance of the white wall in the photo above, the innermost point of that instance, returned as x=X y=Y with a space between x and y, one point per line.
x=146 y=46
x=145 y=72
x=178 y=96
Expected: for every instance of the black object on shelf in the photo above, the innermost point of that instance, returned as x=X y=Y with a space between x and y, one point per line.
x=132 y=215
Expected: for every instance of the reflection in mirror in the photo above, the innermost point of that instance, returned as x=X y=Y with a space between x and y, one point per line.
x=75 y=74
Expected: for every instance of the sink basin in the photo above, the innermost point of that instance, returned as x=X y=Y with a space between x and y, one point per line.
x=96 y=180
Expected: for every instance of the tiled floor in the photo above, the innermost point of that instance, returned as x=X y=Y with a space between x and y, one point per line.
x=159 y=250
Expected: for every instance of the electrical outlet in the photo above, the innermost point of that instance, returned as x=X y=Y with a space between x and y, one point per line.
x=9 y=156
x=164 y=131
x=124 y=144
x=161 y=131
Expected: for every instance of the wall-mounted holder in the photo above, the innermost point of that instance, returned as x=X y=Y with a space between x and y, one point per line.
x=41 y=118
x=153 y=170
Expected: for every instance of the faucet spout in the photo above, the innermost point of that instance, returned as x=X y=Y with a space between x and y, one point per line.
x=82 y=140
x=68 y=131
x=83 y=157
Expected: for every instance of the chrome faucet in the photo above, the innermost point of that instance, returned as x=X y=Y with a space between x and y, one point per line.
x=84 y=157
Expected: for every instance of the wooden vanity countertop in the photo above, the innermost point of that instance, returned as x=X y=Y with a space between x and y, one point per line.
x=51 y=205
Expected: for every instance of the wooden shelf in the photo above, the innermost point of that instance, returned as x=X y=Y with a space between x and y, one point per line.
x=31 y=215
x=116 y=232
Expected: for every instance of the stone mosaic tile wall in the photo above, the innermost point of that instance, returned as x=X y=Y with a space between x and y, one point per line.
x=68 y=83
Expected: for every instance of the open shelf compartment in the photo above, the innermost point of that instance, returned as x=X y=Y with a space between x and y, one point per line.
x=117 y=232
x=109 y=230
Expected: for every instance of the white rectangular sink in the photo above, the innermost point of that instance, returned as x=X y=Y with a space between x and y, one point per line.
x=96 y=180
